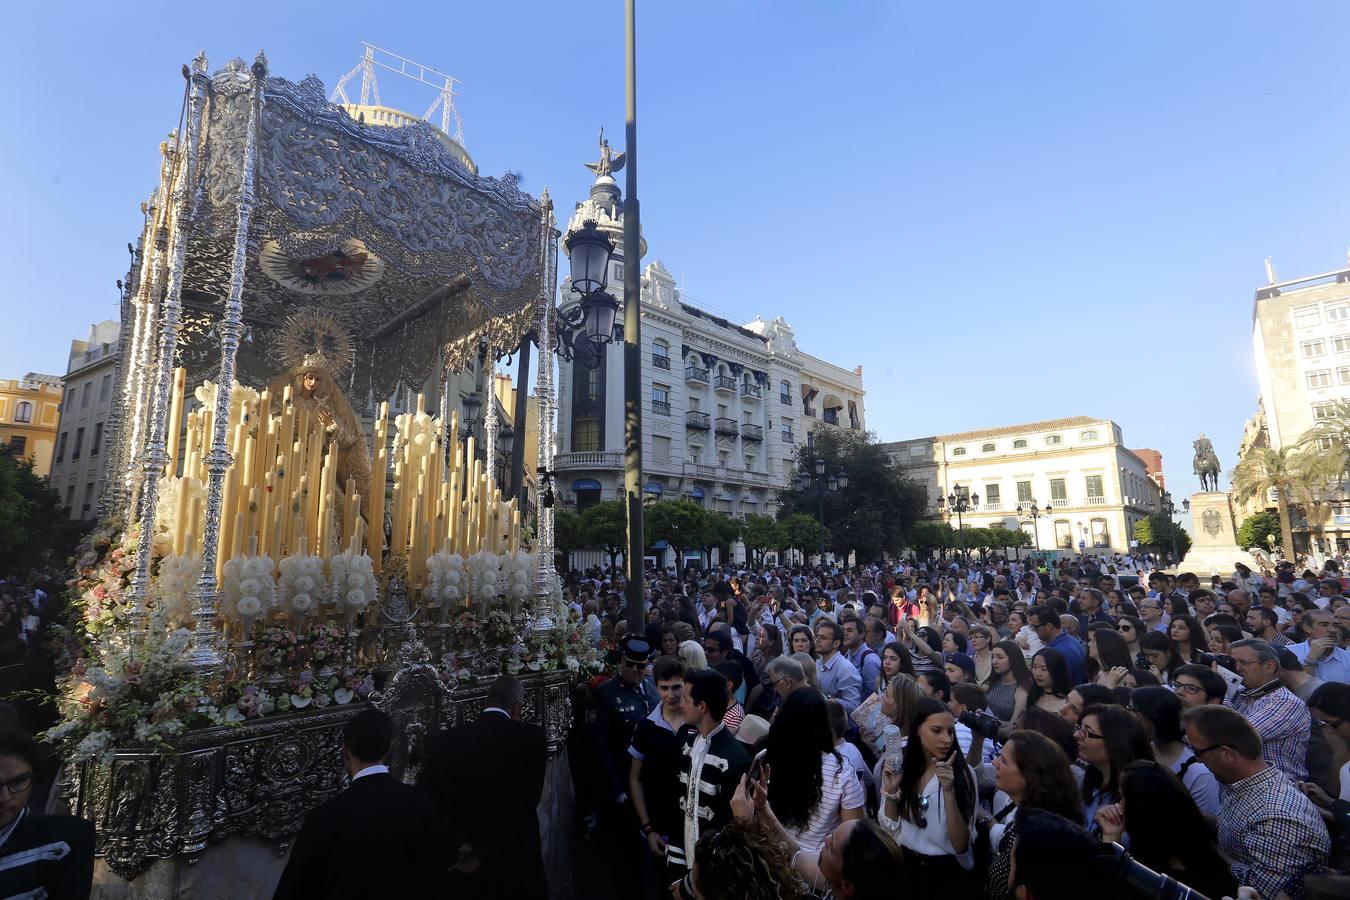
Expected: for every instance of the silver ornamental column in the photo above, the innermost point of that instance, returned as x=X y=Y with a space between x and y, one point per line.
x=543 y=389
x=153 y=459
x=205 y=651
x=153 y=243
x=489 y=380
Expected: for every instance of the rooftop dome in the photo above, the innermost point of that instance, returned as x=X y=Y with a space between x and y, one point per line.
x=397 y=118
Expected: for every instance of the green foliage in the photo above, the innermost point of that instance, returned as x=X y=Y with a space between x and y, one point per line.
x=568 y=533
x=925 y=537
x=761 y=533
x=605 y=525
x=874 y=513
x=1157 y=532
x=1295 y=474
x=680 y=523
x=802 y=532
x=721 y=531
x=1257 y=529
x=32 y=518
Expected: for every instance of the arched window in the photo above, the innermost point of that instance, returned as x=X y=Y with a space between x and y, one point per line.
x=1053 y=439
x=1088 y=435
x=959 y=451
x=23 y=412
x=987 y=448
x=1020 y=444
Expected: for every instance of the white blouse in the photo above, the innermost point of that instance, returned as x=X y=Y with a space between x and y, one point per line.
x=931 y=840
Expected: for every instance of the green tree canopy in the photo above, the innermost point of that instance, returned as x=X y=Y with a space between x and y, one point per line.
x=925 y=537
x=802 y=532
x=1157 y=531
x=32 y=517
x=761 y=533
x=721 y=531
x=874 y=513
x=1256 y=530
x=605 y=525
x=1294 y=474
x=680 y=523
x=569 y=534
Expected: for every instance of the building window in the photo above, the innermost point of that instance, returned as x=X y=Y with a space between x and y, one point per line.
x=1318 y=347
x=88 y=497
x=61 y=447
x=1324 y=410
x=98 y=439
x=785 y=426
x=661 y=400
x=1058 y=490
x=618 y=273
x=1089 y=435
x=1053 y=439
x=23 y=413
x=1338 y=313
x=1321 y=378
x=986 y=448
x=1063 y=534
x=585 y=435
x=1094 y=486
x=84 y=394
x=592 y=383
x=1306 y=316
x=1343 y=375
x=16 y=446
x=661 y=448
x=79 y=440
x=1101 y=537
x=1024 y=492
x=1020 y=444
x=992 y=495
x=660 y=355
x=959 y=451
x=916 y=450
x=1340 y=343
x=105 y=388
x=70 y=496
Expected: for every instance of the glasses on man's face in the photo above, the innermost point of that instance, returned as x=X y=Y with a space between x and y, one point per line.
x=1184 y=687
x=18 y=785
x=1201 y=751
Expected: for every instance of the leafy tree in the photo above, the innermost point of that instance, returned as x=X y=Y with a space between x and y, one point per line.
x=721 y=531
x=605 y=525
x=760 y=534
x=802 y=532
x=1157 y=531
x=925 y=537
x=569 y=534
x=680 y=523
x=32 y=517
x=1006 y=538
x=873 y=515
x=1256 y=530
x=1295 y=474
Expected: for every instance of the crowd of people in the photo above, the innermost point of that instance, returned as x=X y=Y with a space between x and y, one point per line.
x=999 y=729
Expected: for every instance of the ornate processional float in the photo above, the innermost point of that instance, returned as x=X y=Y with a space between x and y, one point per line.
x=260 y=572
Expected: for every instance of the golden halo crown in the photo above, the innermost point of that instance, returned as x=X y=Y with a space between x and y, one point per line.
x=314 y=338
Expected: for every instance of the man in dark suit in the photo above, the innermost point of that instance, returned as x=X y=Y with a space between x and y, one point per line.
x=40 y=856
x=487 y=778
x=378 y=838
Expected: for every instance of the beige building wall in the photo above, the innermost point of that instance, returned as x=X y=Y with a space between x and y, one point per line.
x=30 y=408
x=90 y=390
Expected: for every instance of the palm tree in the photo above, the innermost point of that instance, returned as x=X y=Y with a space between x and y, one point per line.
x=1294 y=473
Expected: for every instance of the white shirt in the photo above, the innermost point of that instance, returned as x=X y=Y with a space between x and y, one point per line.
x=932 y=840
x=377 y=769
x=839 y=790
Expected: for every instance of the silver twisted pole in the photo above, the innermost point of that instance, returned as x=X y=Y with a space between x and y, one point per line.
x=543 y=389
x=205 y=652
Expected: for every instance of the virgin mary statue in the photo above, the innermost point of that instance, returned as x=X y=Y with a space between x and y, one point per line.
x=317 y=351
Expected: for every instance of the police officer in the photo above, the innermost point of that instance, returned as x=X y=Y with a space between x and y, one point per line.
x=620 y=704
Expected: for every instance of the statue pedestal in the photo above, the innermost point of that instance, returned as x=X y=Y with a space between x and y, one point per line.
x=1214 y=549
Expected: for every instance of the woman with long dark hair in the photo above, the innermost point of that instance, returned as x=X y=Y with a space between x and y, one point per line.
x=1034 y=773
x=763 y=699
x=1108 y=650
x=929 y=805
x=1188 y=636
x=1009 y=682
x=1161 y=709
x=1167 y=831
x=1162 y=655
x=801 y=640
x=1050 y=682
x=811 y=787
x=1131 y=628
x=1109 y=739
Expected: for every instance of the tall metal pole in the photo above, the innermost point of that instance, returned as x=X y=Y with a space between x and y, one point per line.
x=632 y=333
x=516 y=484
x=820 y=490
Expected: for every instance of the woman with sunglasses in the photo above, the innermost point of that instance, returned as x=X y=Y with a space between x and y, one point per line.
x=929 y=805
x=1130 y=628
x=1109 y=739
x=1167 y=831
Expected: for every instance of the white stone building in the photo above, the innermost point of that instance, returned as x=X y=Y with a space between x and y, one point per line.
x=1079 y=467
x=81 y=441
x=723 y=404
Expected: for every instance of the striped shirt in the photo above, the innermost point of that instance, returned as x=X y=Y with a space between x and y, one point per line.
x=1284 y=723
x=839 y=790
x=1271 y=833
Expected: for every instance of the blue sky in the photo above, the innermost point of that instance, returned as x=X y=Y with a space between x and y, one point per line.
x=1004 y=212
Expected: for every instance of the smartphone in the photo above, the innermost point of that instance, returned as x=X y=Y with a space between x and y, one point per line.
x=1141 y=661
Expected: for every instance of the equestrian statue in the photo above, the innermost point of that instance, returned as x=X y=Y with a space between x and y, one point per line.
x=1206 y=464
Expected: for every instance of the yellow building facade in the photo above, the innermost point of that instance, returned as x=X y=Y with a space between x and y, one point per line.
x=30 y=410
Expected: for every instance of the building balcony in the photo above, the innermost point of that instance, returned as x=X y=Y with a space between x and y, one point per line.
x=752 y=432
x=590 y=459
x=661 y=407
x=788 y=435
x=785 y=399
x=724 y=384
x=1060 y=503
x=808 y=411
x=1096 y=501
x=699 y=421
x=661 y=362
x=992 y=507
x=831 y=417
x=695 y=375
x=726 y=427
x=751 y=391
x=700 y=471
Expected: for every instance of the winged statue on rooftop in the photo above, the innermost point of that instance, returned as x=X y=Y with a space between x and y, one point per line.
x=610 y=162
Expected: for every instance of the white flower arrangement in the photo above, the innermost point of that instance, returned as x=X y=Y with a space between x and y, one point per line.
x=352 y=579
x=249 y=590
x=178 y=575
x=484 y=569
x=517 y=568
x=446 y=586
x=167 y=511
x=301 y=586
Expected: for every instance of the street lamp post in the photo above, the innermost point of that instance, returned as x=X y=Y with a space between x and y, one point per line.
x=813 y=475
x=1170 y=510
x=1034 y=513
x=961 y=500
